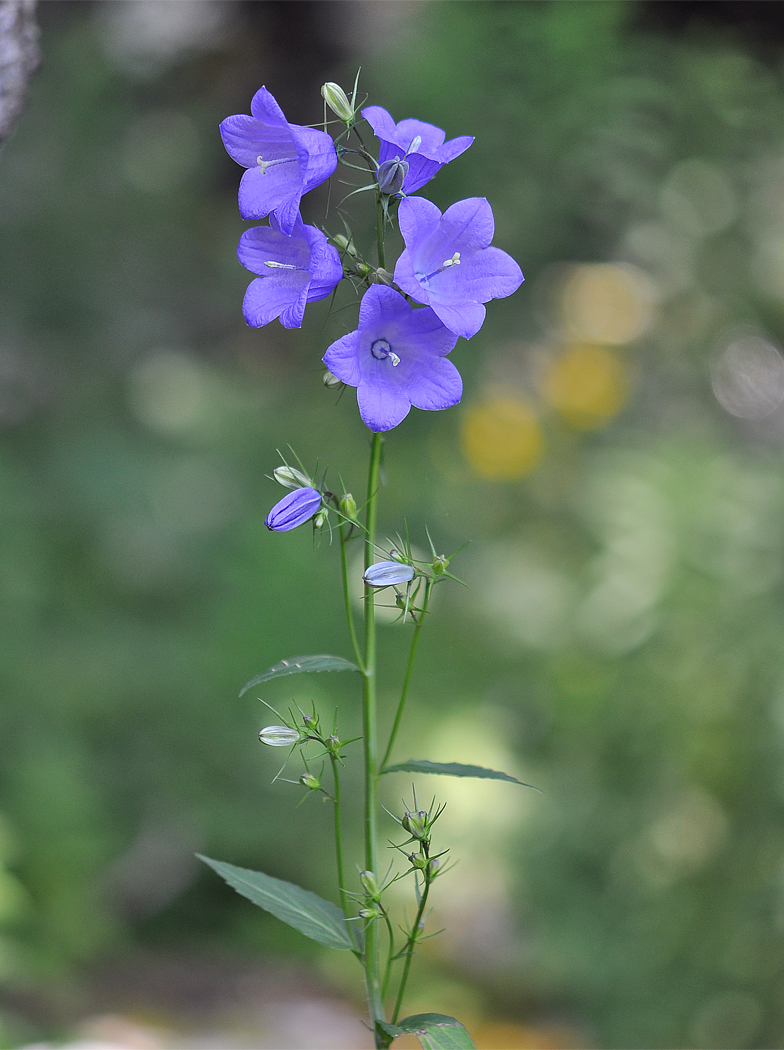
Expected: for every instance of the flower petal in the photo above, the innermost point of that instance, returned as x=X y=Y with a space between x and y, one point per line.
x=461 y=318
x=321 y=156
x=342 y=360
x=381 y=406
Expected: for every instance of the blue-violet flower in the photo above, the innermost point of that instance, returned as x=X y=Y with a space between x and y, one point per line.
x=395 y=359
x=294 y=509
x=293 y=271
x=421 y=145
x=284 y=160
x=388 y=574
x=448 y=264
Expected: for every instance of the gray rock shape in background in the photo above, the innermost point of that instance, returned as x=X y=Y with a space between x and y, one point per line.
x=19 y=59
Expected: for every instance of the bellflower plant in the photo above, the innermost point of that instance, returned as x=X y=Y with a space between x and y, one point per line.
x=449 y=264
x=397 y=358
x=283 y=160
x=293 y=270
x=421 y=145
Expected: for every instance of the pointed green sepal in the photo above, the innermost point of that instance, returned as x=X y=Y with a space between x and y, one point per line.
x=453 y=769
x=317 y=918
x=300 y=665
x=434 y=1031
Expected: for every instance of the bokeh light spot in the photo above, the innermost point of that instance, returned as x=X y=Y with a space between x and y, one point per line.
x=501 y=438
x=748 y=379
x=587 y=386
x=608 y=303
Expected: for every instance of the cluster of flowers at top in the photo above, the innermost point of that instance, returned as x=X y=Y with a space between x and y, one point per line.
x=396 y=357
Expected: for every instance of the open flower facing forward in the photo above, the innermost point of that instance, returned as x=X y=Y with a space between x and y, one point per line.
x=420 y=145
x=284 y=160
x=293 y=271
x=294 y=509
x=448 y=262
x=395 y=359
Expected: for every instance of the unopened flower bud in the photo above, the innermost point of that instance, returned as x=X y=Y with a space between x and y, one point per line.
x=293 y=510
x=337 y=100
x=388 y=574
x=279 y=736
x=440 y=563
x=308 y=720
x=348 y=506
x=369 y=884
x=382 y=276
x=320 y=519
x=369 y=913
x=391 y=175
x=291 y=478
x=309 y=781
x=416 y=824
x=331 y=382
x=432 y=867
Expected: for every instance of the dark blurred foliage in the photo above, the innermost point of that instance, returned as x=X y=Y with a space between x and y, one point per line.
x=616 y=464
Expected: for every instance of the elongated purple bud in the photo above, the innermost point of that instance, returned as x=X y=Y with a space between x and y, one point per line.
x=294 y=509
x=388 y=574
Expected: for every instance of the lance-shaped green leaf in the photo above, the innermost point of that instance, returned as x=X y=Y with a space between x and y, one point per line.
x=434 y=1031
x=318 y=919
x=300 y=665
x=452 y=769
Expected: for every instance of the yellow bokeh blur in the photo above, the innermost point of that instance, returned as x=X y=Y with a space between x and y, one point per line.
x=587 y=385
x=609 y=303
x=501 y=438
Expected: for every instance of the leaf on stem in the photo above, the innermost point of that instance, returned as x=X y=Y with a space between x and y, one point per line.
x=453 y=769
x=317 y=918
x=300 y=665
x=434 y=1031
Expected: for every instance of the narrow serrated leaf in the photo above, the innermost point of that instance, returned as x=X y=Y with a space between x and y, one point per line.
x=434 y=1032
x=452 y=769
x=317 y=918
x=300 y=665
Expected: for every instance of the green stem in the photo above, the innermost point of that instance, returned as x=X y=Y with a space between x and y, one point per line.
x=413 y=937
x=409 y=669
x=338 y=837
x=347 y=595
x=369 y=730
x=390 y=956
x=380 y=232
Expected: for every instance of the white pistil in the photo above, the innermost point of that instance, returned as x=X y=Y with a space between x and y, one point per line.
x=264 y=164
x=414 y=145
x=281 y=266
x=454 y=261
x=394 y=359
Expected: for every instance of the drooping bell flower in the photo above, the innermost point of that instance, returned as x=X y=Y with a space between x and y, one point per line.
x=293 y=271
x=418 y=144
x=284 y=161
x=396 y=358
x=448 y=263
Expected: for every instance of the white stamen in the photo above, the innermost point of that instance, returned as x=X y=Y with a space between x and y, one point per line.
x=454 y=261
x=280 y=266
x=394 y=359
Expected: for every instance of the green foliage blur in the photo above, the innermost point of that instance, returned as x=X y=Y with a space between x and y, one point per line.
x=621 y=642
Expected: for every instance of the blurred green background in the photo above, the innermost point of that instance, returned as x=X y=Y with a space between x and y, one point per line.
x=616 y=463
